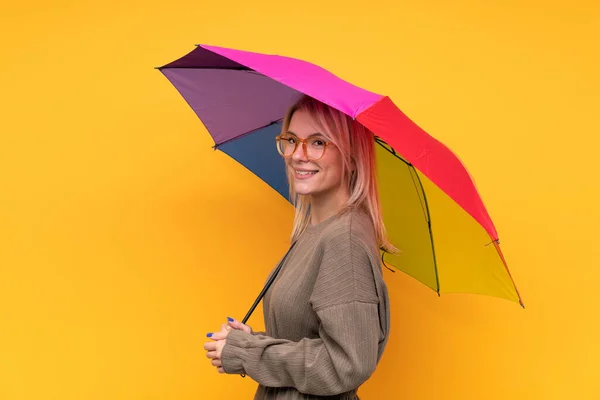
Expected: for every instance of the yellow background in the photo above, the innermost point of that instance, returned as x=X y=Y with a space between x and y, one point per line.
x=124 y=237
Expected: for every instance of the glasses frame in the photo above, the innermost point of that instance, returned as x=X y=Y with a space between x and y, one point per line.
x=278 y=138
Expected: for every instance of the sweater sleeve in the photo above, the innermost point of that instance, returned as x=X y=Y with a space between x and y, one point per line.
x=341 y=359
x=345 y=353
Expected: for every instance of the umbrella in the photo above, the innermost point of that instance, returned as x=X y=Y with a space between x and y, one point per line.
x=430 y=204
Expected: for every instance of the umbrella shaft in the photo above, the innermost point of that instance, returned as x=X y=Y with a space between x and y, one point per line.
x=267 y=285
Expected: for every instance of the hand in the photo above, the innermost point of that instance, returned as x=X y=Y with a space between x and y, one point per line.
x=215 y=348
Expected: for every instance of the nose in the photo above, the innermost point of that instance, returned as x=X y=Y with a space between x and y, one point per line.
x=300 y=154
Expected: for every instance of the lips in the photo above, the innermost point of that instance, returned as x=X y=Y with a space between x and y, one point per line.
x=304 y=173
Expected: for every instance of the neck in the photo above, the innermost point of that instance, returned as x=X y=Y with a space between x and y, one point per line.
x=327 y=205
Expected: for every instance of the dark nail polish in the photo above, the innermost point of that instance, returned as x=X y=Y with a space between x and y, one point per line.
x=229 y=319
x=209 y=335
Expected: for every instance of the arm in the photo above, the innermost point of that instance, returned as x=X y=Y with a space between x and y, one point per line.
x=341 y=359
x=345 y=353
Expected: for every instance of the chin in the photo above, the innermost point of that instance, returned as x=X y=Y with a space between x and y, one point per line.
x=303 y=190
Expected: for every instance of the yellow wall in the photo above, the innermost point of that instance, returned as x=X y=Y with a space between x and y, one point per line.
x=124 y=240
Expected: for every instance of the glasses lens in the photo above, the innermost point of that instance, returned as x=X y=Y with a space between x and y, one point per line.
x=315 y=148
x=286 y=144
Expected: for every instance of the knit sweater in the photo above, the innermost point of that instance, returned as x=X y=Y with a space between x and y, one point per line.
x=326 y=317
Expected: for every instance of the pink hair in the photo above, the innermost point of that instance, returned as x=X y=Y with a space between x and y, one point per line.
x=357 y=146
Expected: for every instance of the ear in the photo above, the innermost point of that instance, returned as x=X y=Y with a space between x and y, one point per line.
x=353 y=173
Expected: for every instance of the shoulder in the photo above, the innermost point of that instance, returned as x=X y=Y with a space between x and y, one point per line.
x=351 y=228
x=349 y=241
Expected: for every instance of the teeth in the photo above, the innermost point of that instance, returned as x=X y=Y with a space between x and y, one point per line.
x=306 y=172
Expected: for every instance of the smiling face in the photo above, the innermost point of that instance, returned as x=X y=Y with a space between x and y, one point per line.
x=318 y=178
x=343 y=178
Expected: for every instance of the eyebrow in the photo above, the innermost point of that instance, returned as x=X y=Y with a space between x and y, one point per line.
x=311 y=135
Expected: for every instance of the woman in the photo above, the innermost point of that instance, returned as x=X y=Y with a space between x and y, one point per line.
x=327 y=312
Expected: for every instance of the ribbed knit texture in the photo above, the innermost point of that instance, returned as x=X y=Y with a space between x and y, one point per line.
x=326 y=316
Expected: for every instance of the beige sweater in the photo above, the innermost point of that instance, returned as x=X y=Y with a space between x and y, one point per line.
x=326 y=315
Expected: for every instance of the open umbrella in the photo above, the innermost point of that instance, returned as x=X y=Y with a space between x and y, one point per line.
x=431 y=207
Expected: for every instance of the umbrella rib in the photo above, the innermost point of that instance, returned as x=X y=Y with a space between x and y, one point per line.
x=198 y=67
x=391 y=150
x=424 y=203
x=217 y=145
x=242 y=69
x=437 y=278
x=421 y=199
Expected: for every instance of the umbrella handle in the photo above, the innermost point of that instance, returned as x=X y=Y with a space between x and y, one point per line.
x=267 y=285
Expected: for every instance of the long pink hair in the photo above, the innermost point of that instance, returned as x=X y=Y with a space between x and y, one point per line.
x=357 y=147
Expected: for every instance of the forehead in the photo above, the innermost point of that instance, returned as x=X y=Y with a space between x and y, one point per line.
x=304 y=125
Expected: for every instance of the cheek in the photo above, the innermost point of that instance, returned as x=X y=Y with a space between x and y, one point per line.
x=333 y=170
x=288 y=164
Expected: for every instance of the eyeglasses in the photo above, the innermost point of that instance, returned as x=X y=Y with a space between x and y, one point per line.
x=314 y=147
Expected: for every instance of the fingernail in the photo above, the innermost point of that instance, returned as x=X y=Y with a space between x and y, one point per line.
x=230 y=319
x=209 y=335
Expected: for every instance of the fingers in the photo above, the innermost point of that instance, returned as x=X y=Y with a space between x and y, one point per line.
x=210 y=346
x=220 y=344
x=235 y=324
x=211 y=354
x=222 y=334
x=214 y=349
x=215 y=361
x=228 y=327
x=219 y=335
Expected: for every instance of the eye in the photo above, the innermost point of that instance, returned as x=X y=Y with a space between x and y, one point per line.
x=289 y=139
x=317 y=142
